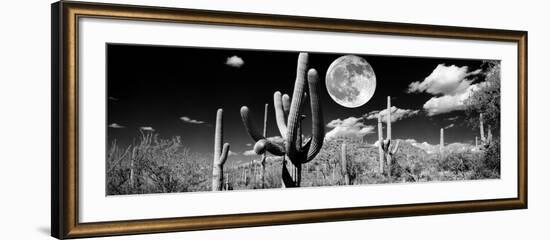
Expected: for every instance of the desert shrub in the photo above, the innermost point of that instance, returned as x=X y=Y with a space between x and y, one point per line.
x=272 y=178
x=154 y=165
x=247 y=175
x=117 y=175
x=491 y=158
x=458 y=162
x=489 y=162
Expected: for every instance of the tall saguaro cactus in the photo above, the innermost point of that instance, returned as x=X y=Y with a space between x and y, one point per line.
x=220 y=153
x=484 y=140
x=388 y=119
x=132 y=166
x=344 y=164
x=380 y=142
x=481 y=132
x=389 y=152
x=288 y=116
x=385 y=146
x=226 y=187
x=264 y=156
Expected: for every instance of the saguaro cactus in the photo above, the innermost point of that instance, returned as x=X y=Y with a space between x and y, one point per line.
x=132 y=166
x=385 y=146
x=484 y=140
x=220 y=153
x=288 y=117
x=481 y=132
x=264 y=156
x=344 y=164
x=245 y=176
x=388 y=119
x=380 y=142
x=226 y=187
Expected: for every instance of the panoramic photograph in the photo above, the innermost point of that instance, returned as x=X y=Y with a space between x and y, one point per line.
x=194 y=119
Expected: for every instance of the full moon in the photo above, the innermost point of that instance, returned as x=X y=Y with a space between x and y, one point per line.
x=350 y=81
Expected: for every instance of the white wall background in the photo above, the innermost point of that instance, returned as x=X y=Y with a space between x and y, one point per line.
x=25 y=117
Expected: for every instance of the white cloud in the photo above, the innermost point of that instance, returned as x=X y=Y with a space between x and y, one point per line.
x=444 y=104
x=446 y=80
x=249 y=153
x=115 y=125
x=396 y=114
x=350 y=127
x=234 y=61
x=449 y=85
x=189 y=120
x=147 y=128
x=231 y=153
x=249 y=144
x=448 y=103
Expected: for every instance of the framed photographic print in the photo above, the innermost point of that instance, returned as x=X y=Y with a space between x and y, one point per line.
x=168 y=119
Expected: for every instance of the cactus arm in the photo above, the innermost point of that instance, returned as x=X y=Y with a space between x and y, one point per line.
x=262 y=144
x=266 y=108
x=286 y=104
x=395 y=148
x=225 y=153
x=264 y=156
x=318 y=128
x=275 y=148
x=218 y=135
x=249 y=125
x=386 y=145
x=280 y=115
x=295 y=106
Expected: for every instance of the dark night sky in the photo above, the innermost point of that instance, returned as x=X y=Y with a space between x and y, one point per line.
x=155 y=86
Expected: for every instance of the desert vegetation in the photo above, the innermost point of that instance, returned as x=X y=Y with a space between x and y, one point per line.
x=166 y=165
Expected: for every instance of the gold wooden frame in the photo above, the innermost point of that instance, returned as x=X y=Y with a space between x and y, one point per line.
x=65 y=16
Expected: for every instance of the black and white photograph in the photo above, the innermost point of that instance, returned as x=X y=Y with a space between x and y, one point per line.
x=195 y=119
